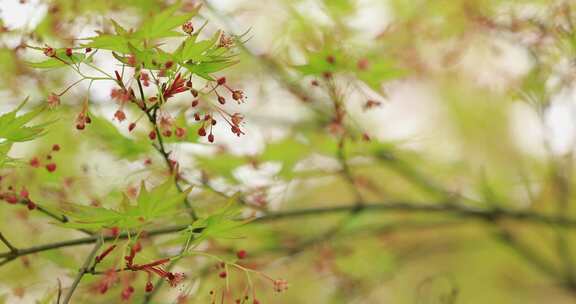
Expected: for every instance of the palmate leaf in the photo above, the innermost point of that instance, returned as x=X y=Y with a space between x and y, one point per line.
x=13 y=128
x=204 y=69
x=162 y=25
x=114 y=43
x=152 y=58
x=4 y=149
x=114 y=141
x=223 y=224
x=161 y=201
x=318 y=62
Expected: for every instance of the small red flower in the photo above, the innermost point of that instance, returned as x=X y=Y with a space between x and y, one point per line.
x=11 y=198
x=69 y=52
x=120 y=115
x=152 y=135
x=188 y=27
x=51 y=167
x=127 y=293
x=238 y=95
x=30 y=205
x=241 y=254
x=180 y=132
x=177 y=86
x=34 y=162
x=24 y=193
x=53 y=100
x=149 y=286
x=49 y=51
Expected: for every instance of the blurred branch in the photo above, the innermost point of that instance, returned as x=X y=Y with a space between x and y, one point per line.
x=7 y=243
x=458 y=210
x=59 y=217
x=83 y=270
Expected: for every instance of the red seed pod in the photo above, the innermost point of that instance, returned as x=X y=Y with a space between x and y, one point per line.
x=48 y=51
x=195 y=102
x=149 y=286
x=202 y=131
x=88 y=120
x=197 y=116
x=88 y=50
x=51 y=167
x=120 y=115
x=223 y=274
x=105 y=253
x=330 y=59
x=221 y=80
x=221 y=100
x=34 y=162
x=194 y=93
x=24 y=193
x=315 y=83
x=167 y=133
x=114 y=231
x=188 y=28
x=69 y=52
x=80 y=126
x=362 y=64
x=55 y=147
x=11 y=198
x=189 y=83
x=168 y=64
x=152 y=135
x=213 y=122
x=180 y=132
x=137 y=247
x=30 y=205
x=127 y=293
x=211 y=138
x=131 y=127
x=241 y=254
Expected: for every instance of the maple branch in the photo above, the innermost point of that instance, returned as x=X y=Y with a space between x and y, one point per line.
x=7 y=243
x=486 y=215
x=85 y=268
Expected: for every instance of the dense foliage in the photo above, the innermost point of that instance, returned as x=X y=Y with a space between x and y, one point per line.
x=287 y=151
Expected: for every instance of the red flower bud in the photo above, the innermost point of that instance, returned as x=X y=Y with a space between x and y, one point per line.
x=241 y=254
x=51 y=167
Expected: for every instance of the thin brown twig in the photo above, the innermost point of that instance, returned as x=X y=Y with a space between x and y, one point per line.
x=7 y=243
